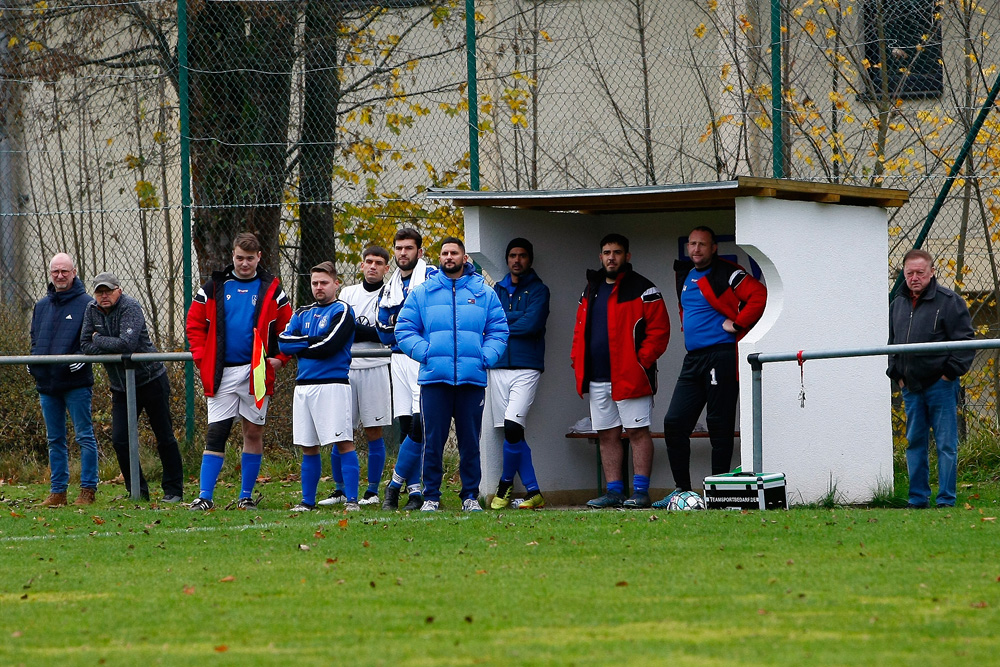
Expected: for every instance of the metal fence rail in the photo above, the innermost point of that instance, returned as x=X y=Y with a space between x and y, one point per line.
x=758 y=359
x=129 y=360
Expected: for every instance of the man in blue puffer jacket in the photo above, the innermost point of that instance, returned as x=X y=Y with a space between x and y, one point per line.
x=55 y=329
x=454 y=325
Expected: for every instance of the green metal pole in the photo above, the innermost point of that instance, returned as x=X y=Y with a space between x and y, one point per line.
x=182 y=85
x=777 y=123
x=470 y=56
x=970 y=139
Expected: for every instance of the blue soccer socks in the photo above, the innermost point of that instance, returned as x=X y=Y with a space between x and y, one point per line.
x=526 y=469
x=640 y=484
x=312 y=466
x=211 y=466
x=376 y=463
x=250 y=465
x=352 y=473
x=617 y=487
x=511 y=460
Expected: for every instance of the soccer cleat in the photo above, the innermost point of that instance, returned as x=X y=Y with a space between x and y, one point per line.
x=170 y=500
x=502 y=498
x=249 y=503
x=335 y=498
x=471 y=505
x=391 y=502
x=201 y=505
x=532 y=502
x=429 y=506
x=303 y=507
x=665 y=503
x=609 y=499
x=638 y=501
x=416 y=502
x=350 y=506
x=371 y=498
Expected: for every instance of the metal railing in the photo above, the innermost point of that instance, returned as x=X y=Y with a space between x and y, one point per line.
x=129 y=360
x=758 y=359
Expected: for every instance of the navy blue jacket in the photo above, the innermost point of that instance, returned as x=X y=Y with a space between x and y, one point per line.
x=320 y=336
x=455 y=328
x=55 y=329
x=527 y=310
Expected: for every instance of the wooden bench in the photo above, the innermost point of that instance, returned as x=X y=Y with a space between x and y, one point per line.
x=591 y=436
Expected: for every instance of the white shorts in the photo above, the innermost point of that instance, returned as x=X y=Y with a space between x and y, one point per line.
x=512 y=391
x=233 y=398
x=606 y=412
x=321 y=414
x=371 y=396
x=405 y=390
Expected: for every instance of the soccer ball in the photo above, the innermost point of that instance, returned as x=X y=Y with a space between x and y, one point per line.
x=686 y=500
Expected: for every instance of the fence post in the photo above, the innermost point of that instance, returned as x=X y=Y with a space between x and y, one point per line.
x=471 y=73
x=182 y=103
x=757 y=369
x=133 y=427
x=777 y=122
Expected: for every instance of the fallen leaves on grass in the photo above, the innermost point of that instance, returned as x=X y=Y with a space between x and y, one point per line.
x=342 y=523
x=988 y=518
x=98 y=520
x=532 y=543
x=189 y=590
x=979 y=605
x=221 y=648
x=319 y=535
x=331 y=561
x=227 y=579
x=15 y=634
x=429 y=619
x=621 y=584
x=16 y=515
x=365 y=544
x=481 y=572
x=304 y=547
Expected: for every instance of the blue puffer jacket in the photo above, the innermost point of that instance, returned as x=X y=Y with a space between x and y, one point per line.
x=55 y=329
x=456 y=329
x=527 y=307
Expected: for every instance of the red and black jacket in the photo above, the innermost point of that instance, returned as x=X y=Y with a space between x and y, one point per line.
x=729 y=289
x=206 y=326
x=638 y=332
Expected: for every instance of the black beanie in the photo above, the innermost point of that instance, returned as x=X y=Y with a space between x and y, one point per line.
x=521 y=243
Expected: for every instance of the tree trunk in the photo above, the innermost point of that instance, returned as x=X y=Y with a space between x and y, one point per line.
x=318 y=144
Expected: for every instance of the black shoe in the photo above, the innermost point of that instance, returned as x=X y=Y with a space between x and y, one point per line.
x=391 y=502
x=415 y=503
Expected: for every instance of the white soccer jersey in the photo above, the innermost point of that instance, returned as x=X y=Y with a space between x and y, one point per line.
x=365 y=305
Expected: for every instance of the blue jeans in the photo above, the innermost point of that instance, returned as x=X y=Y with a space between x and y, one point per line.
x=934 y=408
x=54 y=409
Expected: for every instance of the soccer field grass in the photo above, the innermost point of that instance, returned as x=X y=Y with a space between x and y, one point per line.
x=123 y=584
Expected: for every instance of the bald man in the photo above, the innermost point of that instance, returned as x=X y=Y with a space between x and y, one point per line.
x=55 y=329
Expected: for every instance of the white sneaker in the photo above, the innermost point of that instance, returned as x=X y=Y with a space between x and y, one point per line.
x=335 y=498
x=352 y=507
x=471 y=505
x=373 y=500
x=430 y=506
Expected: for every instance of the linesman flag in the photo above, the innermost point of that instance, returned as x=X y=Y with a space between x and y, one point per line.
x=258 y=369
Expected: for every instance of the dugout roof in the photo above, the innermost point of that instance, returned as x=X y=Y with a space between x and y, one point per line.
x=690 y=196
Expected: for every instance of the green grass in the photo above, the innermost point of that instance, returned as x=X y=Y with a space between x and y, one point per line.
x=121 y=584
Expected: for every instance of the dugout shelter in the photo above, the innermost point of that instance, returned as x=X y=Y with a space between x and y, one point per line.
x=822 y=251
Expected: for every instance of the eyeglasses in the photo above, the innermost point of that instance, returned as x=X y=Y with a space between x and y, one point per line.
x=61 y=272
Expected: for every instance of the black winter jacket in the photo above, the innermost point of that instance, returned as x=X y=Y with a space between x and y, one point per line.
x=55 y=329
x=939 y=315
x=121 y=331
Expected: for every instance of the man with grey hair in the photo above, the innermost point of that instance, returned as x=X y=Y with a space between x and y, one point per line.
x=114 y=324
x=55 y=329
x=926 y=312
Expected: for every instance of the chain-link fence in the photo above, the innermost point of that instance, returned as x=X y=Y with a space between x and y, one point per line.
x=318 y=125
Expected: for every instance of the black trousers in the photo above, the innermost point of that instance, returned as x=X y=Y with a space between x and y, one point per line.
x=154 y=398
x=708 y=377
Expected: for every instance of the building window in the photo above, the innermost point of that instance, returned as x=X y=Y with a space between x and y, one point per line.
x=911 y=30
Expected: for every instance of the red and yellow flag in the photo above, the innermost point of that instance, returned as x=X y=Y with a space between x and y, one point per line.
x=258 y=369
